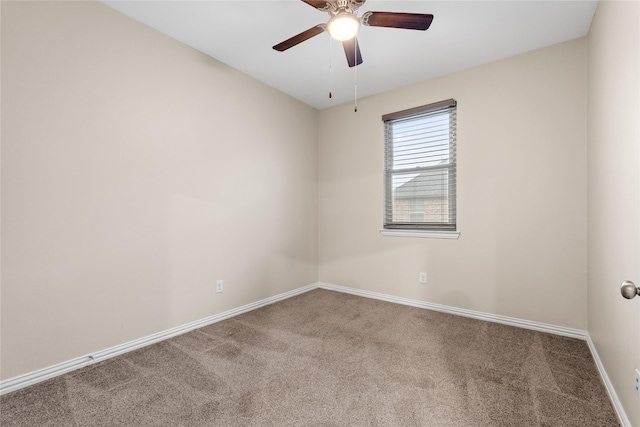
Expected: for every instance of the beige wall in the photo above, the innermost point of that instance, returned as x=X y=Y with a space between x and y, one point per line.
x=614 y=193
x=521 y=192
x=135 y=172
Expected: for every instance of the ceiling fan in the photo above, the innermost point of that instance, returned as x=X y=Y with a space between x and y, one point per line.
x=344 y=25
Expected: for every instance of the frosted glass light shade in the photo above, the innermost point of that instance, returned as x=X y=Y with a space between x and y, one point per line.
x=343 y=26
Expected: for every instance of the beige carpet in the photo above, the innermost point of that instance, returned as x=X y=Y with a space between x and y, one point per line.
x=330 y=359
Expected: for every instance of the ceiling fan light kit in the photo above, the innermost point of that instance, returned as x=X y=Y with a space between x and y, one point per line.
x=343 y=26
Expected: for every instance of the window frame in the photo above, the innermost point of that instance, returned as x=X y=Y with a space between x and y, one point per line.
x=447 y=230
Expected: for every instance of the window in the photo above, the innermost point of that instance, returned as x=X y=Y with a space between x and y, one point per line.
x=420 y=171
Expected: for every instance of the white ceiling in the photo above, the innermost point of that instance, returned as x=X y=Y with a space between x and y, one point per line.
x=463 y=34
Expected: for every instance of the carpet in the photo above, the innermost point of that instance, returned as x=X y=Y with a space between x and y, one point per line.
x=325 y=358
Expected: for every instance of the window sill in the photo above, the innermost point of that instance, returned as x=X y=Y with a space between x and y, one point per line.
x=421 y=233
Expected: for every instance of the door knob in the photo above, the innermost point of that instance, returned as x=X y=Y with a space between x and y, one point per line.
x=628 y=289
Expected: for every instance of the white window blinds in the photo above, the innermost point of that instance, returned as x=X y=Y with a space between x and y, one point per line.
x=420 y=168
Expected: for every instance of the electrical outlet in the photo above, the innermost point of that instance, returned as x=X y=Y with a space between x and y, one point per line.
x=637 y=382
x=219 y=286
x=423 y=277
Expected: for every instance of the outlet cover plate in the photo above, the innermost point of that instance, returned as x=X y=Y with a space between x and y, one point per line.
x=219 y=286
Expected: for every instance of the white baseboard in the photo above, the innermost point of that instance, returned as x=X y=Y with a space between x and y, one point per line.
x=527 y=324
x=25 y=380
x=622 y=415
x=21 y=381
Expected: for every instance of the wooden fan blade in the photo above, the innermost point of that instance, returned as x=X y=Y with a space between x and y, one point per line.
x=352 y=50
x=409 y=21
x=318 y=4
x=297 y=39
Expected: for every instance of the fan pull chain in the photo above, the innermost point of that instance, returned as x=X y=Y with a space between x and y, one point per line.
x=330 y=68
x=355 y=83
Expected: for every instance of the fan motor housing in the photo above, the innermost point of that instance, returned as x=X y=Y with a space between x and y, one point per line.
x=349 y=6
